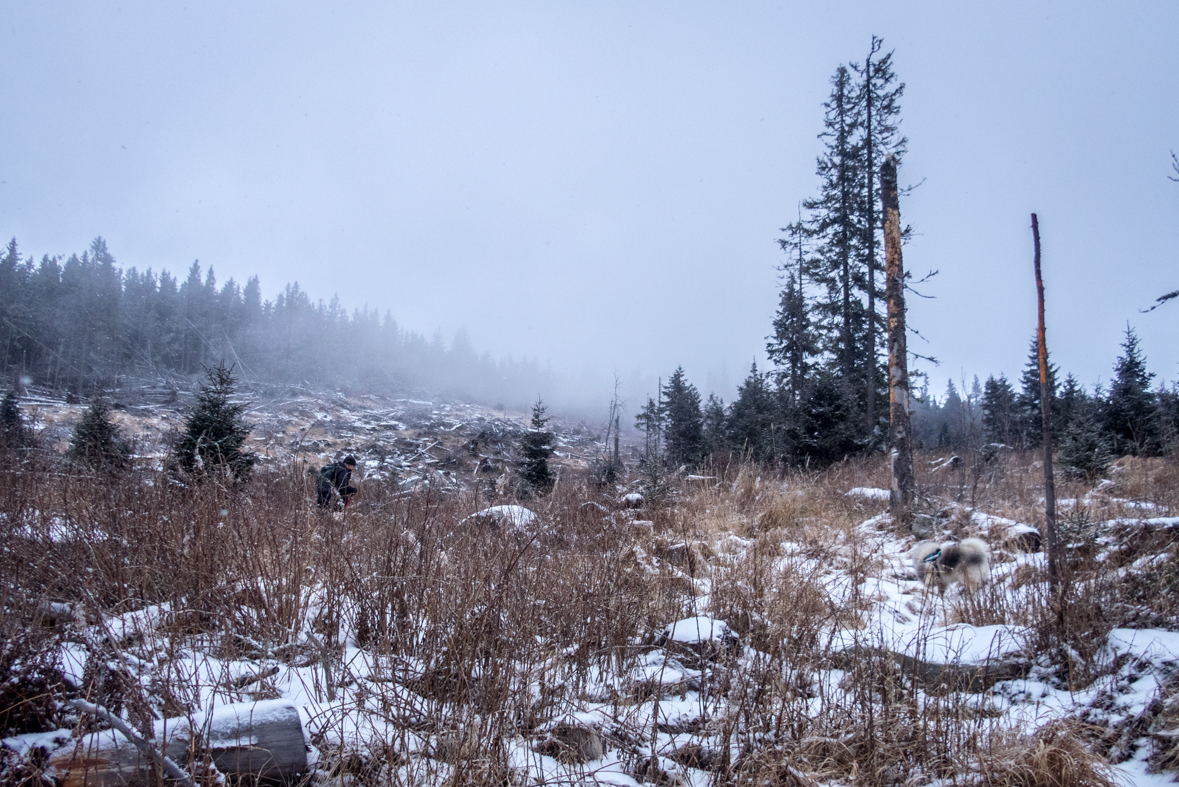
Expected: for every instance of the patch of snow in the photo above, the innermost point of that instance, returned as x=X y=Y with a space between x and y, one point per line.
x=1020 y=529
x=138 y=623
x=516 y=516
x=869 y=493
x=23 y=744
x=1157 y=646
x=965 y=644
x=1140 y=505
x=72 y=662
x=701 y=628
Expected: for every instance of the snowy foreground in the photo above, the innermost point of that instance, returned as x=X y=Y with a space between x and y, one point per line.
x=677 y=705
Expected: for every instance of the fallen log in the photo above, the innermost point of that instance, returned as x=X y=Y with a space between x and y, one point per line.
x=938 y=678
x=257 y=742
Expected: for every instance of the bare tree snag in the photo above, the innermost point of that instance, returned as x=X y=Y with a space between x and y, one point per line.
x=257 y=742
x=1046 y=417
x=902 y=493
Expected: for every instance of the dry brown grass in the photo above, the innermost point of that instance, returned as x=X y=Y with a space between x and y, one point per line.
x=1054 y=756
x=497 y=633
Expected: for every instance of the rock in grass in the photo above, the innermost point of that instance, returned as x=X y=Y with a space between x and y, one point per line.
x=572 y=743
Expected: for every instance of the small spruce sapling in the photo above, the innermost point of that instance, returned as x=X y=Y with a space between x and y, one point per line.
x=9 y=412
x=1084 y=451
x=1130 y=408
x=651 y=420
x=536 y=446
x=13 y=432
x=683 y=422
x=96 y=439
x=214 y=433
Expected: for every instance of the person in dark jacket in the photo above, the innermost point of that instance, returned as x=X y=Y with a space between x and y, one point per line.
x=333 y=480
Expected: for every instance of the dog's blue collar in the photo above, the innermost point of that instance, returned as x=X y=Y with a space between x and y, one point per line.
x=932 y=556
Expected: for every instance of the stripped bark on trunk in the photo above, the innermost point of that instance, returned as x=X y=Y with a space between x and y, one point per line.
x=1046 y=416
x=902 y=493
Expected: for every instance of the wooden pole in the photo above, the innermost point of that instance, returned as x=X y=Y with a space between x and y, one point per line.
x=1046 y=418
x=903 y=490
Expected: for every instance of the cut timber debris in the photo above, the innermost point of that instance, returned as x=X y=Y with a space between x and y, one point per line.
x=257 y=741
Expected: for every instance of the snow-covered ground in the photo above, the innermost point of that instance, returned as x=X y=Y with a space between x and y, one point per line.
x=373 y=699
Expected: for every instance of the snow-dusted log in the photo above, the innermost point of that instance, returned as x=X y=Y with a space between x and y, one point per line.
x=934 y=677
x=259 y=741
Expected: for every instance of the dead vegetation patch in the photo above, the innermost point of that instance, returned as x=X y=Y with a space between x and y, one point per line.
x=467 y=641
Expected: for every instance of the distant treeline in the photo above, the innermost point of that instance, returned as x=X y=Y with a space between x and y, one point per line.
x=1132 y=417
x=767 y=422
x=79 y=324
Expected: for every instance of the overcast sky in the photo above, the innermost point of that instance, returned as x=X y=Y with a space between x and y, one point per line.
x=601 y=184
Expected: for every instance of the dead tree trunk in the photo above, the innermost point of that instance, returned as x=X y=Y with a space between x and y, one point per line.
x=902 y=493
x=257 y=742
x=1046 y=417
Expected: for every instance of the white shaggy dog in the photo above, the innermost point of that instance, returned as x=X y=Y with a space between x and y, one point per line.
x=967 y=561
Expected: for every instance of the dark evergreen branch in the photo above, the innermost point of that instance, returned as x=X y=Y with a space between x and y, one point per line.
x=904 y=192
x=1160 y=301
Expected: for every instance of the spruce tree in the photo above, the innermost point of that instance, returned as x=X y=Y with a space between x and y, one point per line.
x=716 y=437
x=1167 y=418
x=1084 y=449
x=1069 y=403
x=684 y=429
x=13 y=432
x=215 y=432
x=837 y=217
x=650 y=421
x=1130 y=409
x=825 y=430
x=753 y=427
x=953 y=419
x=96 y=439
x=844 y=223
x=793 y=344
x=1029 y=420
x=879 y=102
x=536 y=446
x=998 y=411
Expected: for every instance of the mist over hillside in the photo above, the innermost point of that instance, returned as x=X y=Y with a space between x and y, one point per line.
x=84 y=324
